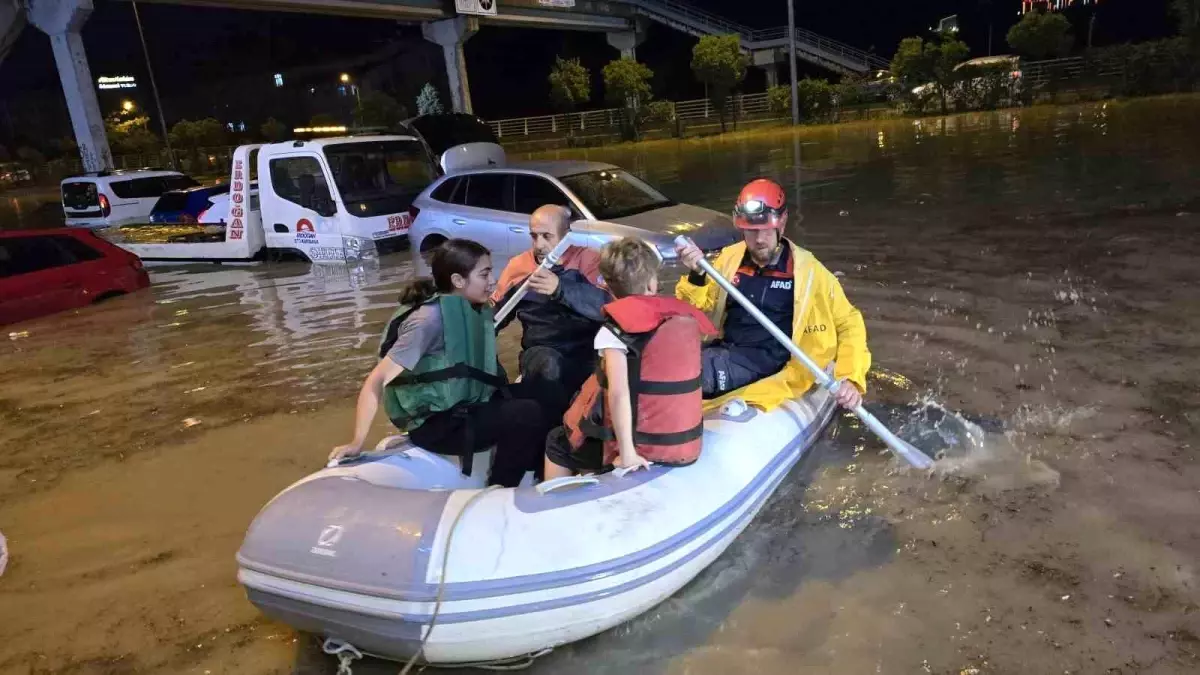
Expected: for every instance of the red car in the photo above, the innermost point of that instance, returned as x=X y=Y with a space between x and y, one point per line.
x=48 y=271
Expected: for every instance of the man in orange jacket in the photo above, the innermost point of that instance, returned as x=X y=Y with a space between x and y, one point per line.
x=561 y=313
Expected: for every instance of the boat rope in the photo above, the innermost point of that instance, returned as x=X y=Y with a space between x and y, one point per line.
x=437 y=605
x=515 y=663
x=345 y=652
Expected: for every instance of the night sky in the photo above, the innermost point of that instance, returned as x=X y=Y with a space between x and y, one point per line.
x=191 y=45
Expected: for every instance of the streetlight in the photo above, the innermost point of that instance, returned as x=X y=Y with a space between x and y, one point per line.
x=127 y=105
x=344 y=78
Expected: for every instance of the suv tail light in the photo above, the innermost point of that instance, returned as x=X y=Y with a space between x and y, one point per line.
x=413 y=211
x=105 y=207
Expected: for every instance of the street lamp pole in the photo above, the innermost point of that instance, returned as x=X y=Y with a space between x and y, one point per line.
x=792 y=60
x=154 y=86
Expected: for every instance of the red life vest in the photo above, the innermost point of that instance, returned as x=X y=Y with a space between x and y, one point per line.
x=664 y=338
x=520 y=267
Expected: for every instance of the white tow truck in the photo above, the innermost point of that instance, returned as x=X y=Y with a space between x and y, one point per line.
x=324 y=200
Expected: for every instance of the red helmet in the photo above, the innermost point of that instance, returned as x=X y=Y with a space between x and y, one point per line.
x=762 y=205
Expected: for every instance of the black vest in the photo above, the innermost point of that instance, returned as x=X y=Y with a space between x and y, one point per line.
x=772 y=290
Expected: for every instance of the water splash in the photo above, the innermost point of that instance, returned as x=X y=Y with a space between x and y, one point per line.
x=994 y=457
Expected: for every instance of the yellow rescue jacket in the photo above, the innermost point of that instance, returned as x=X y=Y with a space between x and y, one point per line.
x=825 y=325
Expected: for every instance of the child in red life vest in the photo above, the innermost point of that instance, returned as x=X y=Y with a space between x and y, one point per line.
x=644 y=403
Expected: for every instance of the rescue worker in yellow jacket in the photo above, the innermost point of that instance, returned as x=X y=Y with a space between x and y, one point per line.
x=793 y=289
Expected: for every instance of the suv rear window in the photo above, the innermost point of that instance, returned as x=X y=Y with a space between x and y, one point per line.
x=153 y=186
x=81 y=195
x=178 y=182
x=174 y=200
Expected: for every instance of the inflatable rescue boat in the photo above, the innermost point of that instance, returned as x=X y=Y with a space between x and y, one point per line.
x=398 y=551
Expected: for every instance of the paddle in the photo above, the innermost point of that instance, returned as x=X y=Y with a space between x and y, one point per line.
x=897 y=445
x=552 y=259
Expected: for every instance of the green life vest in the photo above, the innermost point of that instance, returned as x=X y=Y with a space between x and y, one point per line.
x=464 y=372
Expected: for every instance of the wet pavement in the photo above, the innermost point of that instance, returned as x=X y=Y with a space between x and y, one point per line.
x=1034 y=269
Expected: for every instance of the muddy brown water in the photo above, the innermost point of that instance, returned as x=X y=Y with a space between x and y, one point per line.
x=1035 y=268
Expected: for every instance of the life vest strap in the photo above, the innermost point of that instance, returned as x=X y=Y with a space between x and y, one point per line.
x=676 y=438
x=676 y=388
x=393 y=328
x=457 y=371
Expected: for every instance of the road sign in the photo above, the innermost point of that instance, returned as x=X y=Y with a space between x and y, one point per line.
x=480 y=7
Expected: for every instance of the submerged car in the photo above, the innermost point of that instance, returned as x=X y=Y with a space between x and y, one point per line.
x=48 y=271
x=492 y=206
x=187 y=206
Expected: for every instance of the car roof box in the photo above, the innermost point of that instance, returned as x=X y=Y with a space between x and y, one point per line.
x=472 y=156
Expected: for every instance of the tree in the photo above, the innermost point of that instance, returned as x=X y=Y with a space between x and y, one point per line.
x=428 y=102
x=31 y=156
x=570 y=84
x=131 y=135
x=324 y=120
x=273 y=130
x=815 y=99
x=925 y=68
x=627 y=84
x=718 y=61
x=779 y=99
x=1041 y=35
x=207 y=132
x=377 y=109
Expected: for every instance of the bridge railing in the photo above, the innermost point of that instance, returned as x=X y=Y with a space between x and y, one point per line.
x=717 y=24
x=823 y=43
x=688 y=12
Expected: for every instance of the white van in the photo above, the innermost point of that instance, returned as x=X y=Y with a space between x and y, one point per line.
x=114 y=198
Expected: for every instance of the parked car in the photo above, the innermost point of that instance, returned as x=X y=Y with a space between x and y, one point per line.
x=1006 y=66
x=111 y=198
x=11 y=174
x=492 y=206
x=48 y=271
x=187 y=205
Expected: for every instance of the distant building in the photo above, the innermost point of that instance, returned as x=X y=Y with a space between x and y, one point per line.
x=1053 y=5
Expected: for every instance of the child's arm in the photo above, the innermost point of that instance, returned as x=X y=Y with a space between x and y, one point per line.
x=621 y=408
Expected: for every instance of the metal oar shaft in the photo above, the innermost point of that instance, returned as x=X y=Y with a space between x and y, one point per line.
x=552 y=259
x=898 y=445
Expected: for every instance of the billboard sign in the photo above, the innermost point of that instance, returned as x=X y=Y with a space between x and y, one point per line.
x=116 y=82
x=479 y=7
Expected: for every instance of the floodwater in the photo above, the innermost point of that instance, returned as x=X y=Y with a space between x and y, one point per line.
x=1034 y=269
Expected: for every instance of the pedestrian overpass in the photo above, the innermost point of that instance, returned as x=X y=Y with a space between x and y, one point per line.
x=623 y=21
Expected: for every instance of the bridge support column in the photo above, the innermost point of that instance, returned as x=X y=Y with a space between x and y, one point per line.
x=772 y=75
x=62 y=20
x=769 y=60
x=627 y=42
x=451 y=34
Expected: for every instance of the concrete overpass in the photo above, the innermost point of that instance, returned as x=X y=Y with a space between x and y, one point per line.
x=623 y=21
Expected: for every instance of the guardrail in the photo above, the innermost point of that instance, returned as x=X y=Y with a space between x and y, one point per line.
x=1040 y=72
x=738 y=106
